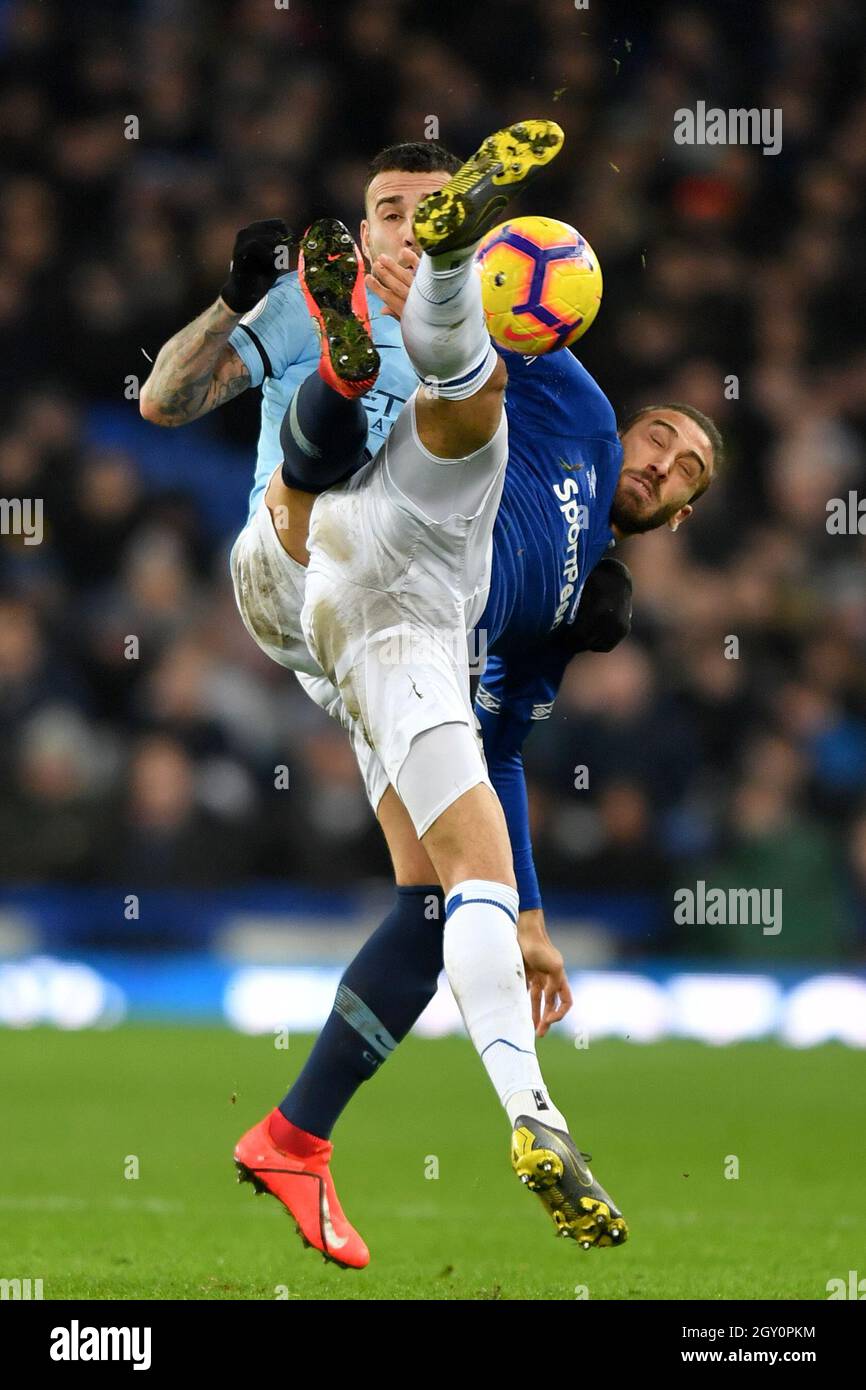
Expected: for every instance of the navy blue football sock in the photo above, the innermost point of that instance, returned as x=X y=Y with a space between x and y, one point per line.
x=383 y=991
x=323 y=435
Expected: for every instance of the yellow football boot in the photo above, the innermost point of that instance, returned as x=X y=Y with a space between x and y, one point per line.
x=547 y=1162
x=470 y=203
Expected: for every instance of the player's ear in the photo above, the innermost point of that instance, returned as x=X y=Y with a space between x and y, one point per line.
x=365 y=240
x=679 y=517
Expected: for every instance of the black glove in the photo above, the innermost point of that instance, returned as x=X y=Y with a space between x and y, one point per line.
x=252 y=271
x=603 y=615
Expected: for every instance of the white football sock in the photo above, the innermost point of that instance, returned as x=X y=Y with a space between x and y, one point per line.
x=485 y=971
x=443 y=326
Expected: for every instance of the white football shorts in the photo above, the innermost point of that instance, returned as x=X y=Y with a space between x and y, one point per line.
x=399 y=574
x=376 y=627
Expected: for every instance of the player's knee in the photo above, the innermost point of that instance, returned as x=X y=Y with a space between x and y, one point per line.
x=469 y=839
x=482 y=412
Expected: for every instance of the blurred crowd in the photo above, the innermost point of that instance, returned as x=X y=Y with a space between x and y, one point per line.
x=733 y=280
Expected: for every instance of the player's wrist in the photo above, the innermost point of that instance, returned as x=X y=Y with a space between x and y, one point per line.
x=531 y=922
x=226 y=310
x=238 y=299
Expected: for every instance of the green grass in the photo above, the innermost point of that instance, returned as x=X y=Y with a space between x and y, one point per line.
x=659 y=1121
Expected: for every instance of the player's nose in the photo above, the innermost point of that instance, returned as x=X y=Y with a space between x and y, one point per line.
x=409 y=242
x=659 y=467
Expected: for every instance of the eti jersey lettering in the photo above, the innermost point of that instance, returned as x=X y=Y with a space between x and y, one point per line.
x=279 y=346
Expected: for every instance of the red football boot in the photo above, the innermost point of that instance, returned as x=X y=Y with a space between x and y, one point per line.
x=306 y=1189
x=331 y=275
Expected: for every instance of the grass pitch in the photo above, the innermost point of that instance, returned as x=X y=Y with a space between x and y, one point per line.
x=661 y=1121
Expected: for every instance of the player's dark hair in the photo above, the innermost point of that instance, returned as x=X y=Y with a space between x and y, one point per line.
x=414 y=157
x=709 y=427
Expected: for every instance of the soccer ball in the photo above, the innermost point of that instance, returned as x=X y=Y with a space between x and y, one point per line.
x=540 y=284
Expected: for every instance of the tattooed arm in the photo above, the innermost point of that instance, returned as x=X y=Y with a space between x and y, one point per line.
x=195 y=371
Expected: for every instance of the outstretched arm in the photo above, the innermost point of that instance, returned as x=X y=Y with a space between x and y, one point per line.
x=195 y=371
x=511 y=698
x=198 y=369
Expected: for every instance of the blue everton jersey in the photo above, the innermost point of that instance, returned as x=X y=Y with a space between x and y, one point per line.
x=279 y=346
x=564 y=460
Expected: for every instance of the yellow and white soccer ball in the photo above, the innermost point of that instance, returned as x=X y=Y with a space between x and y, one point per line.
x=540 y=284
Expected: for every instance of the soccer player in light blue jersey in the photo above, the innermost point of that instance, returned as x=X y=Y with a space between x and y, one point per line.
x=259 y=331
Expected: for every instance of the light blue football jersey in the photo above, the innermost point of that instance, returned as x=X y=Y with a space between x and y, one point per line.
x=279 y=346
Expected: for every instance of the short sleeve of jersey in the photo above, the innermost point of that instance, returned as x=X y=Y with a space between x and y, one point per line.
x=557 y=394
x=274 y=333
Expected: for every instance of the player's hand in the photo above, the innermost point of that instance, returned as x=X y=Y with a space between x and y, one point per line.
x=391 y=280
x=603 y=616
x=254 y=267
x=546 y=980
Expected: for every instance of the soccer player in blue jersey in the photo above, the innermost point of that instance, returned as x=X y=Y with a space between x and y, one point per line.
x=574 y=498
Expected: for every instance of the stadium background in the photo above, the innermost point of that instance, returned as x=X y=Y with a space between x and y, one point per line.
x=154 y=777
x=150 y=873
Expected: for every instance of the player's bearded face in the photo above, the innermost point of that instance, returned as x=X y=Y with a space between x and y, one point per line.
x=391 y=201
x=666 y=460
